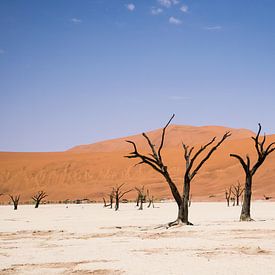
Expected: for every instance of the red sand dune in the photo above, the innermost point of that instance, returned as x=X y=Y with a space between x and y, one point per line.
x=90 y=171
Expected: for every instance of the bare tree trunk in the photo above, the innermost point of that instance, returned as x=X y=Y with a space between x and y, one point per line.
x=104 y=201
x=111 y=201
x=141 y=204
x=237 y=200
x=228 y=196
x=117 y=203
x=183 y=207
x=245 y=214
x=137 y=201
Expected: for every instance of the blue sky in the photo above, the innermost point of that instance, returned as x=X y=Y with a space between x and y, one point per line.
x=75 y=72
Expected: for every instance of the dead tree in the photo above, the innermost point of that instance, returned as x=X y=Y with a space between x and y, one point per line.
x=37 y=198
x=137 y=200
x=141 y=197
x=104 y=201
x=118 y=194
x=237 y=192
x=228 y=195
x=150 y=200
x=111 y=196
x=15 y=201
x=267 y=198
x=154 y=160
x=250 y=170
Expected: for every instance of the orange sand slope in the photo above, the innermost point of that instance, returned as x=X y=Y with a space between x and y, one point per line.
x=90 y=171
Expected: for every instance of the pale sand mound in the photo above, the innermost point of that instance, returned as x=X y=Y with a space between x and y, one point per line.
x=90 y=239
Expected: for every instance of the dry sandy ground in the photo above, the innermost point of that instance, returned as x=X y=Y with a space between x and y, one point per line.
x=88 y=239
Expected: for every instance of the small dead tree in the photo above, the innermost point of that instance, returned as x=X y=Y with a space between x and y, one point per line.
x=150 y=200
x=111 y=196
x=15 y=201
x=228 y=195
x=237 y=192
x=267 y=198
x=38 y=197
x=250 y=170
x=104 y=201
x=141 y=197
x=155 y=161
x=118 y=194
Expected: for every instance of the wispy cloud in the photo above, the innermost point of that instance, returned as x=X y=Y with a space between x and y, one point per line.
x=156 y=11
x=2 y=51
x=177 y=97
x=168 y=3
x=76 y=20
x=174 y=20
x=184 y=8
x=175 y=2
x=130 y=7
x=213 y=28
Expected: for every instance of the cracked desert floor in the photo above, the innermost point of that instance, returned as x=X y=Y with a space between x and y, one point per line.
x=90 y=239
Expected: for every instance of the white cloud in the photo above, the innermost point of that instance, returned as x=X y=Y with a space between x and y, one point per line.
x=76 y=20
x=175 y=2
x=168 y=3
x=156 y=11
x=2 y=51
x=174 y=20
x=130 y=7
x=184 y=8
x=213 y=28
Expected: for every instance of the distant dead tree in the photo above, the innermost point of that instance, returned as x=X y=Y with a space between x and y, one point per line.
x=111 y=196
x=38 y=197
x=237 y=192
x=267 y=198
x=15 y=201
x=150 y=200
x=154 y=160
x=250 y=170
x=141 y=197
x=118 y=194
x=104 y=201
x=228 y=195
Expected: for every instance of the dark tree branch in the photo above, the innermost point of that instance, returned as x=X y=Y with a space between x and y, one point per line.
x=124 y=193
x=162 y=137
x=213 y=149
x=241 y=161
x=152 y=146
x=188 y=155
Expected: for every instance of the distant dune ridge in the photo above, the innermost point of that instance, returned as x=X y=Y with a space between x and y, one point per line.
x=90 y=171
